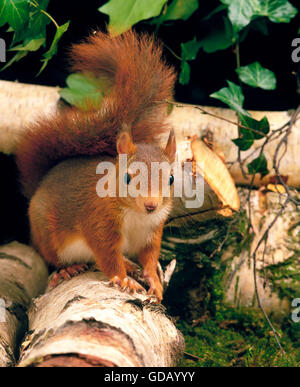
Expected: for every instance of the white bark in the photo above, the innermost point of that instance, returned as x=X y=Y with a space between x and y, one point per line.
x=191 y=121
x=21 y=104
x=84 y=321
x=282 y=244
x=23 y=275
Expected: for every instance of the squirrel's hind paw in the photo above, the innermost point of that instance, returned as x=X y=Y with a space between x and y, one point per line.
x=66 y=273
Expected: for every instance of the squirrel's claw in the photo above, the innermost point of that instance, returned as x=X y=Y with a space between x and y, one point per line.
x=66 y=273
x=155 y=288
x=127 y=284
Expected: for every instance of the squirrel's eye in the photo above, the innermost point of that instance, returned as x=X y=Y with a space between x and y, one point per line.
x=171 y=180
x=127 y=178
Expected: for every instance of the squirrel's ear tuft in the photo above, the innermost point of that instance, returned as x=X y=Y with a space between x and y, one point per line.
x=170 y=149
x=125 y=144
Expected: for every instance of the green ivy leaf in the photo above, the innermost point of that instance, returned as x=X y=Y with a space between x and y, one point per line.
x=185 y=72
x=38 y=20
x=241 y=12
x=30 y=45
x=262 y=126
x=124 y=14
x=179 y=9
x=53 y=48
x=258 y=165
x=3 y=16
x=83 y=90
x=257 y=76
x=15 y=13
x=278 y=11
x=231 y=96
x=245 y=141
x=189 y=50
x=23 y=50
x=19 y=55
x=220 y=8
x=219 y=38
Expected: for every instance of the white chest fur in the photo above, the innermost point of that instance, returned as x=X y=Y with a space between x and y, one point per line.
x=137 y=232
x=76 y=252
x=138 y=228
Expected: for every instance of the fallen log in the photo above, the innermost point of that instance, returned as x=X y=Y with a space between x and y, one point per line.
x=23 y=276
x=87 y=322
x=21 y=104
x=277 y=262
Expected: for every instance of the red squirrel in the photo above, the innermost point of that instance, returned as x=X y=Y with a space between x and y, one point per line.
x=58 y=156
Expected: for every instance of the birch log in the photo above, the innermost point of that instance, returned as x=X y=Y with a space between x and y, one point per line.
x=20 y=104
x=278 y=266
x=86 y=322
x=23 y=275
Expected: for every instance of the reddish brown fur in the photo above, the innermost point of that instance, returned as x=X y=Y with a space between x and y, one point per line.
x=141 y=82
x=58 y=156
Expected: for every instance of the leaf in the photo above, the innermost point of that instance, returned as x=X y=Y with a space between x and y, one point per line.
x=220 y=38
x=124 y=14
x=180 y=9
x=38 y=20
x=258 y=126
x=31 y=45
x=257 y=76
x=258 y=165
x=231 y=96
x=245 y=141
x=189 y=50
x=278 y=11
x=3 y=16
x=53 y=48
x=15 y=13
x=220 y=8
x=184 y=76
x=19 y=55
x=241 y=12
x=83 y=91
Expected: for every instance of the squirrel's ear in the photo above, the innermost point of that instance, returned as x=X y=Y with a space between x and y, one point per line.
x=125 y=144
x=170 y=149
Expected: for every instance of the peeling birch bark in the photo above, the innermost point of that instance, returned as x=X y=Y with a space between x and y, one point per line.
x=278 y=267
x=23 y=275
x=190 y=121
x=21 y=104
x=86 y=322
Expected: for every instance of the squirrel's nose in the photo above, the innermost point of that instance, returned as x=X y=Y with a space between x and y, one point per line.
x=150 y=207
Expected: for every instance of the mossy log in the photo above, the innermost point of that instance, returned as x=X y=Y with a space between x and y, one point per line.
x=86 y=322
x=23 y=275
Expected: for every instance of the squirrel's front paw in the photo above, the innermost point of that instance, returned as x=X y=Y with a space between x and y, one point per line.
x=155 y=288
x=127 y=284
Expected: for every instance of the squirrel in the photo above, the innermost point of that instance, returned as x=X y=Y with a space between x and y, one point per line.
x=57 y=158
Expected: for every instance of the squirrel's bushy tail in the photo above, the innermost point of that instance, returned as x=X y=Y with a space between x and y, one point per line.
x=133 y=65
x=140 y=81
